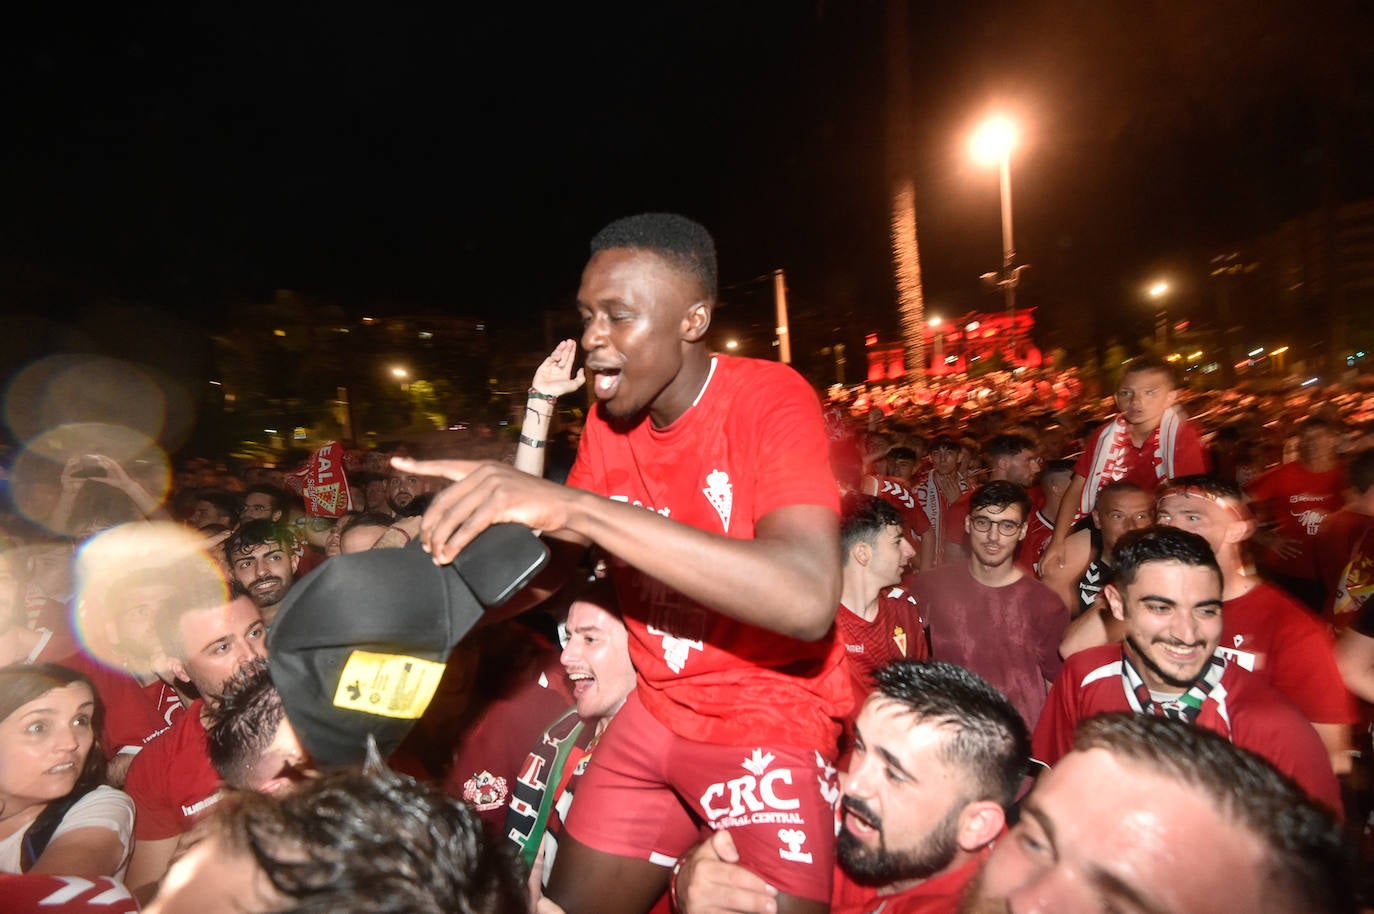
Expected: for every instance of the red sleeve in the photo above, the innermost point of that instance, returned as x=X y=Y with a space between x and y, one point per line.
x=1053 y=737
x=151 y=790
x=955 y=515
x=1305 y=673
x=784 y=416
x=1278 y=732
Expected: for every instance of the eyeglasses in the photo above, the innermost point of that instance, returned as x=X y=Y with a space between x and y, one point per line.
x=1004 y=527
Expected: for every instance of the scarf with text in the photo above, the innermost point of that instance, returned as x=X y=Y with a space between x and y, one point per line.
x=322 y=483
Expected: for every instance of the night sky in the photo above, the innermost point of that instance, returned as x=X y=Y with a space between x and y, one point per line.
x=390 y=156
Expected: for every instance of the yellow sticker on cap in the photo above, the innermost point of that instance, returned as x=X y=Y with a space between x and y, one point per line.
x=389 y=685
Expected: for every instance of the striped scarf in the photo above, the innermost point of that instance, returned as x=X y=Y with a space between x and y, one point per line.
x=1187 y=706
x=1108 y=455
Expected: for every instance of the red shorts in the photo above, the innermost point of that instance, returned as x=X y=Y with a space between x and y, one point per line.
x=648 y=792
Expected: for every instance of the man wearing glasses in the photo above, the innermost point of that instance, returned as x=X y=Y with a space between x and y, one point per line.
x=986 y=614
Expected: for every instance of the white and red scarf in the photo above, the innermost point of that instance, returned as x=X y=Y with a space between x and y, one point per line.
x=1109 y=455
x=928 y=494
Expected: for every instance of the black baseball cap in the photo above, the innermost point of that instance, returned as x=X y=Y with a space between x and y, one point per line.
x=359 y=644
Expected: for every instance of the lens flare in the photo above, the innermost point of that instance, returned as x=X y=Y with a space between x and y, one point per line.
x=78 y=389
x=129 y=577
x=99 y=495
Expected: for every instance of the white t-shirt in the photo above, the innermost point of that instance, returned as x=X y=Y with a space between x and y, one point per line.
x=103 y=807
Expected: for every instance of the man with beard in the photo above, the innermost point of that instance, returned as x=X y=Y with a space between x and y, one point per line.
x=938 y=757
x=207 y=641
x=1167 y=593
x=263 y=559
x=1150 y=814
x=402 y=488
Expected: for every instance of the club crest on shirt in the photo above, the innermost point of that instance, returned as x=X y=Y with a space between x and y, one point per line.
x=899 y=636
x=484 y=791
x=720 y=493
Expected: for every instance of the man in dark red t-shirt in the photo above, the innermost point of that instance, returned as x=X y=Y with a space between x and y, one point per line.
x=988 y=615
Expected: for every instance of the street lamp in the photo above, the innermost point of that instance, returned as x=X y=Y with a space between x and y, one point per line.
x=993 y=143
x=1157 y=291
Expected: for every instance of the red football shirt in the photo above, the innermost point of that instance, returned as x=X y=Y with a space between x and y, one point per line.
x=897 y=632
x=171 y=780
x=940 y=894
x=1242 y=707
x=1273 y=635
x=1139 y=462
x=752 y=443
x=1298 y=500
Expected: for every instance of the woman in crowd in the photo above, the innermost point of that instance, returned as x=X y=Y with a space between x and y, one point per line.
x=55 y=815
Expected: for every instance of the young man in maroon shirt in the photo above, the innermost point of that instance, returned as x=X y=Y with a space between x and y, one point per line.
x=988 y=615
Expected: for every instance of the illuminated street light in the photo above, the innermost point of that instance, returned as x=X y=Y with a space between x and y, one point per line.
x=732 y=344
x=994 y=140
x=993 y=143
x=1157 y=290
x=399 y=372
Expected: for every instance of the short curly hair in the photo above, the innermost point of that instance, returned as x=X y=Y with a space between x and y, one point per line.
x=682 y=243
x=374 y=843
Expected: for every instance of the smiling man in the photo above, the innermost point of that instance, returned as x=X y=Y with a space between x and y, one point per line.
x=1167 y=593
x=705 y=480
x=596 y=662
x=263 y=560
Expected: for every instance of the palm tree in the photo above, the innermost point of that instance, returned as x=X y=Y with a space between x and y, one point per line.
x=906 y=254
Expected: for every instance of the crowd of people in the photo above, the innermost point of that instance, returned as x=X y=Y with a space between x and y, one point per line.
x=887 y=653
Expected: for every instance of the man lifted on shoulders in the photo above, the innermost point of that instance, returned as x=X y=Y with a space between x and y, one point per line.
x=705 y=479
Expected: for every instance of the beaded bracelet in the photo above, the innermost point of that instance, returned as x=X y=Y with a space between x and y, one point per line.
x=672 y=883
x=541 y=396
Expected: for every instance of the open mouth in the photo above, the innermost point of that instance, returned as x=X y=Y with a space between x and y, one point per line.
x=64 y=768
x=859 y=822
x=607 y=381
x=581 y=683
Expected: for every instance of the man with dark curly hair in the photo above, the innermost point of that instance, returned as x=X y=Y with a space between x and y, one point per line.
x=374 y=842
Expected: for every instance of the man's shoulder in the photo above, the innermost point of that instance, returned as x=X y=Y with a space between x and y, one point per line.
x=1084 y=667
x=186 y=734
x=1253 y=704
